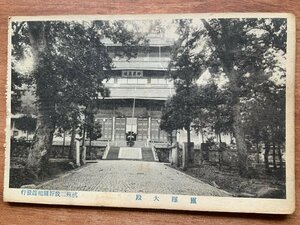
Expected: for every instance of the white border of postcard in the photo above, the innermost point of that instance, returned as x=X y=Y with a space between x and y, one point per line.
x=203 y=203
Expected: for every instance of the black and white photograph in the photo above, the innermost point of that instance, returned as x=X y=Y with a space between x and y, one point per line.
x=191 y=111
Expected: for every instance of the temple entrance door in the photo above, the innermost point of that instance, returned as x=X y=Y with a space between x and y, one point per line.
x=142 y=129
x=120 y=130
x=131 y=125
x=156 y=133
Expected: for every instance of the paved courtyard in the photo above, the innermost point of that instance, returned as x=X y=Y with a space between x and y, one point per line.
x=132 y=176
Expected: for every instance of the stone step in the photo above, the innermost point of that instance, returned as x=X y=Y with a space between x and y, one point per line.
x=130 y=153
x=147 y=154
x=113 y=153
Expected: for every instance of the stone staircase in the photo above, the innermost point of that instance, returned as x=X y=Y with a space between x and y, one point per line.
x=147 y=154
x=130 y=153
x=113 y=153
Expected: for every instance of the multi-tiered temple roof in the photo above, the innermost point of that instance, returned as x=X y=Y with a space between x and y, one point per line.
x=144 y=77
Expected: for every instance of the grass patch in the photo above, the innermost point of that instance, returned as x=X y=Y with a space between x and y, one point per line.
x=260 y=185
x=18 y=176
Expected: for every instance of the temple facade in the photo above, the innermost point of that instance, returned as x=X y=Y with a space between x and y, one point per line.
x=138 y=88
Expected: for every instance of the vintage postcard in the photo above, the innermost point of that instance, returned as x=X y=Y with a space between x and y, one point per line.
x=176 y=111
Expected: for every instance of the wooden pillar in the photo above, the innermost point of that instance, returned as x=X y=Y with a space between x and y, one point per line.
x=159 y=53
x=149 y=128
x=113 y=128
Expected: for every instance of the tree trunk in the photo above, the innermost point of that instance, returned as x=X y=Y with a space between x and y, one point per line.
x=266 y=157
x=228 y=55
x=83 y=136
x=202 y=135
x=280 y=157
x=240 y=141
x=171 y=138
x=238 y=130
x=64 y=142
x=90 y=147
x=274 y=156
x=188 y=149
x=257 y=149
x=220 y=139
x=72 y=149
x=37 y=161
x=184 y=157
x=39 y=152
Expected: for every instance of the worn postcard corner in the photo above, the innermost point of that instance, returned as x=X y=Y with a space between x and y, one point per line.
x=176 y=111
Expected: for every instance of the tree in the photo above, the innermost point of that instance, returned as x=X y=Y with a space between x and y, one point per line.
x=169 y=118
x=178 y=113
x=70 y=63
x=213 y=110
x=237 y=49
x=185 y=69
x=26 y=123
x=92 y=127
x=265 y=120
x=16 y=91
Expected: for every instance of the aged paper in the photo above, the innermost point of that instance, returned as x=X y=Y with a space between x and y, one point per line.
x=176 y=111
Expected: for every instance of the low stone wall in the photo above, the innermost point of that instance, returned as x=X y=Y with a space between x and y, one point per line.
x=229 y=158
x=20 y=149
x=198 y=156
x=95 y=152
x=180 y=156
x=59 y=151
x=163 y=154
x=203 y=154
